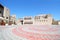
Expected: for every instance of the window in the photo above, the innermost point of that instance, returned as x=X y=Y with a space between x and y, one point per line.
x=46 y=16
x=3 y=16
x=0 y=11
x=37 y=17
x=44 y=20
x=6 y=17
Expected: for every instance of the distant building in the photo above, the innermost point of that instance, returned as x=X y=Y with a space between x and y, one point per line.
x=28 y=20
x=59 y=22
x=54 y=22
x=19 y=21
x=4 y=14
x=13 y=19
x=43 y=19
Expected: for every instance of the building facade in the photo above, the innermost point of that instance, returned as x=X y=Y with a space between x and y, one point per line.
x=19 y=21
x=28 y=20
x=59 y=22
x=12 y=19
x=43 y=19
x=4 y=14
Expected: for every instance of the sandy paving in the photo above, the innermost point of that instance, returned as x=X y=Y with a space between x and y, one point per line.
x=32 y=32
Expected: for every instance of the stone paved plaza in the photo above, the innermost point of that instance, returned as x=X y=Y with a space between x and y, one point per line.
x=30 y=32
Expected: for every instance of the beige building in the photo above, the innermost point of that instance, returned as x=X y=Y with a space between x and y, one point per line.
x=54 y=22
x=43 y=19
x=4 y=14
x=59 y=22
x=28 y=20
x=13 y=19
x=19 y=21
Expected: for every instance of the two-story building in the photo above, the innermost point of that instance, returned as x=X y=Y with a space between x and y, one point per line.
x=43 y=19
x=27 y=20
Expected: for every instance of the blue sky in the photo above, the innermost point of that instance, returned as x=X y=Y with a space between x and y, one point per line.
x=33 y=7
